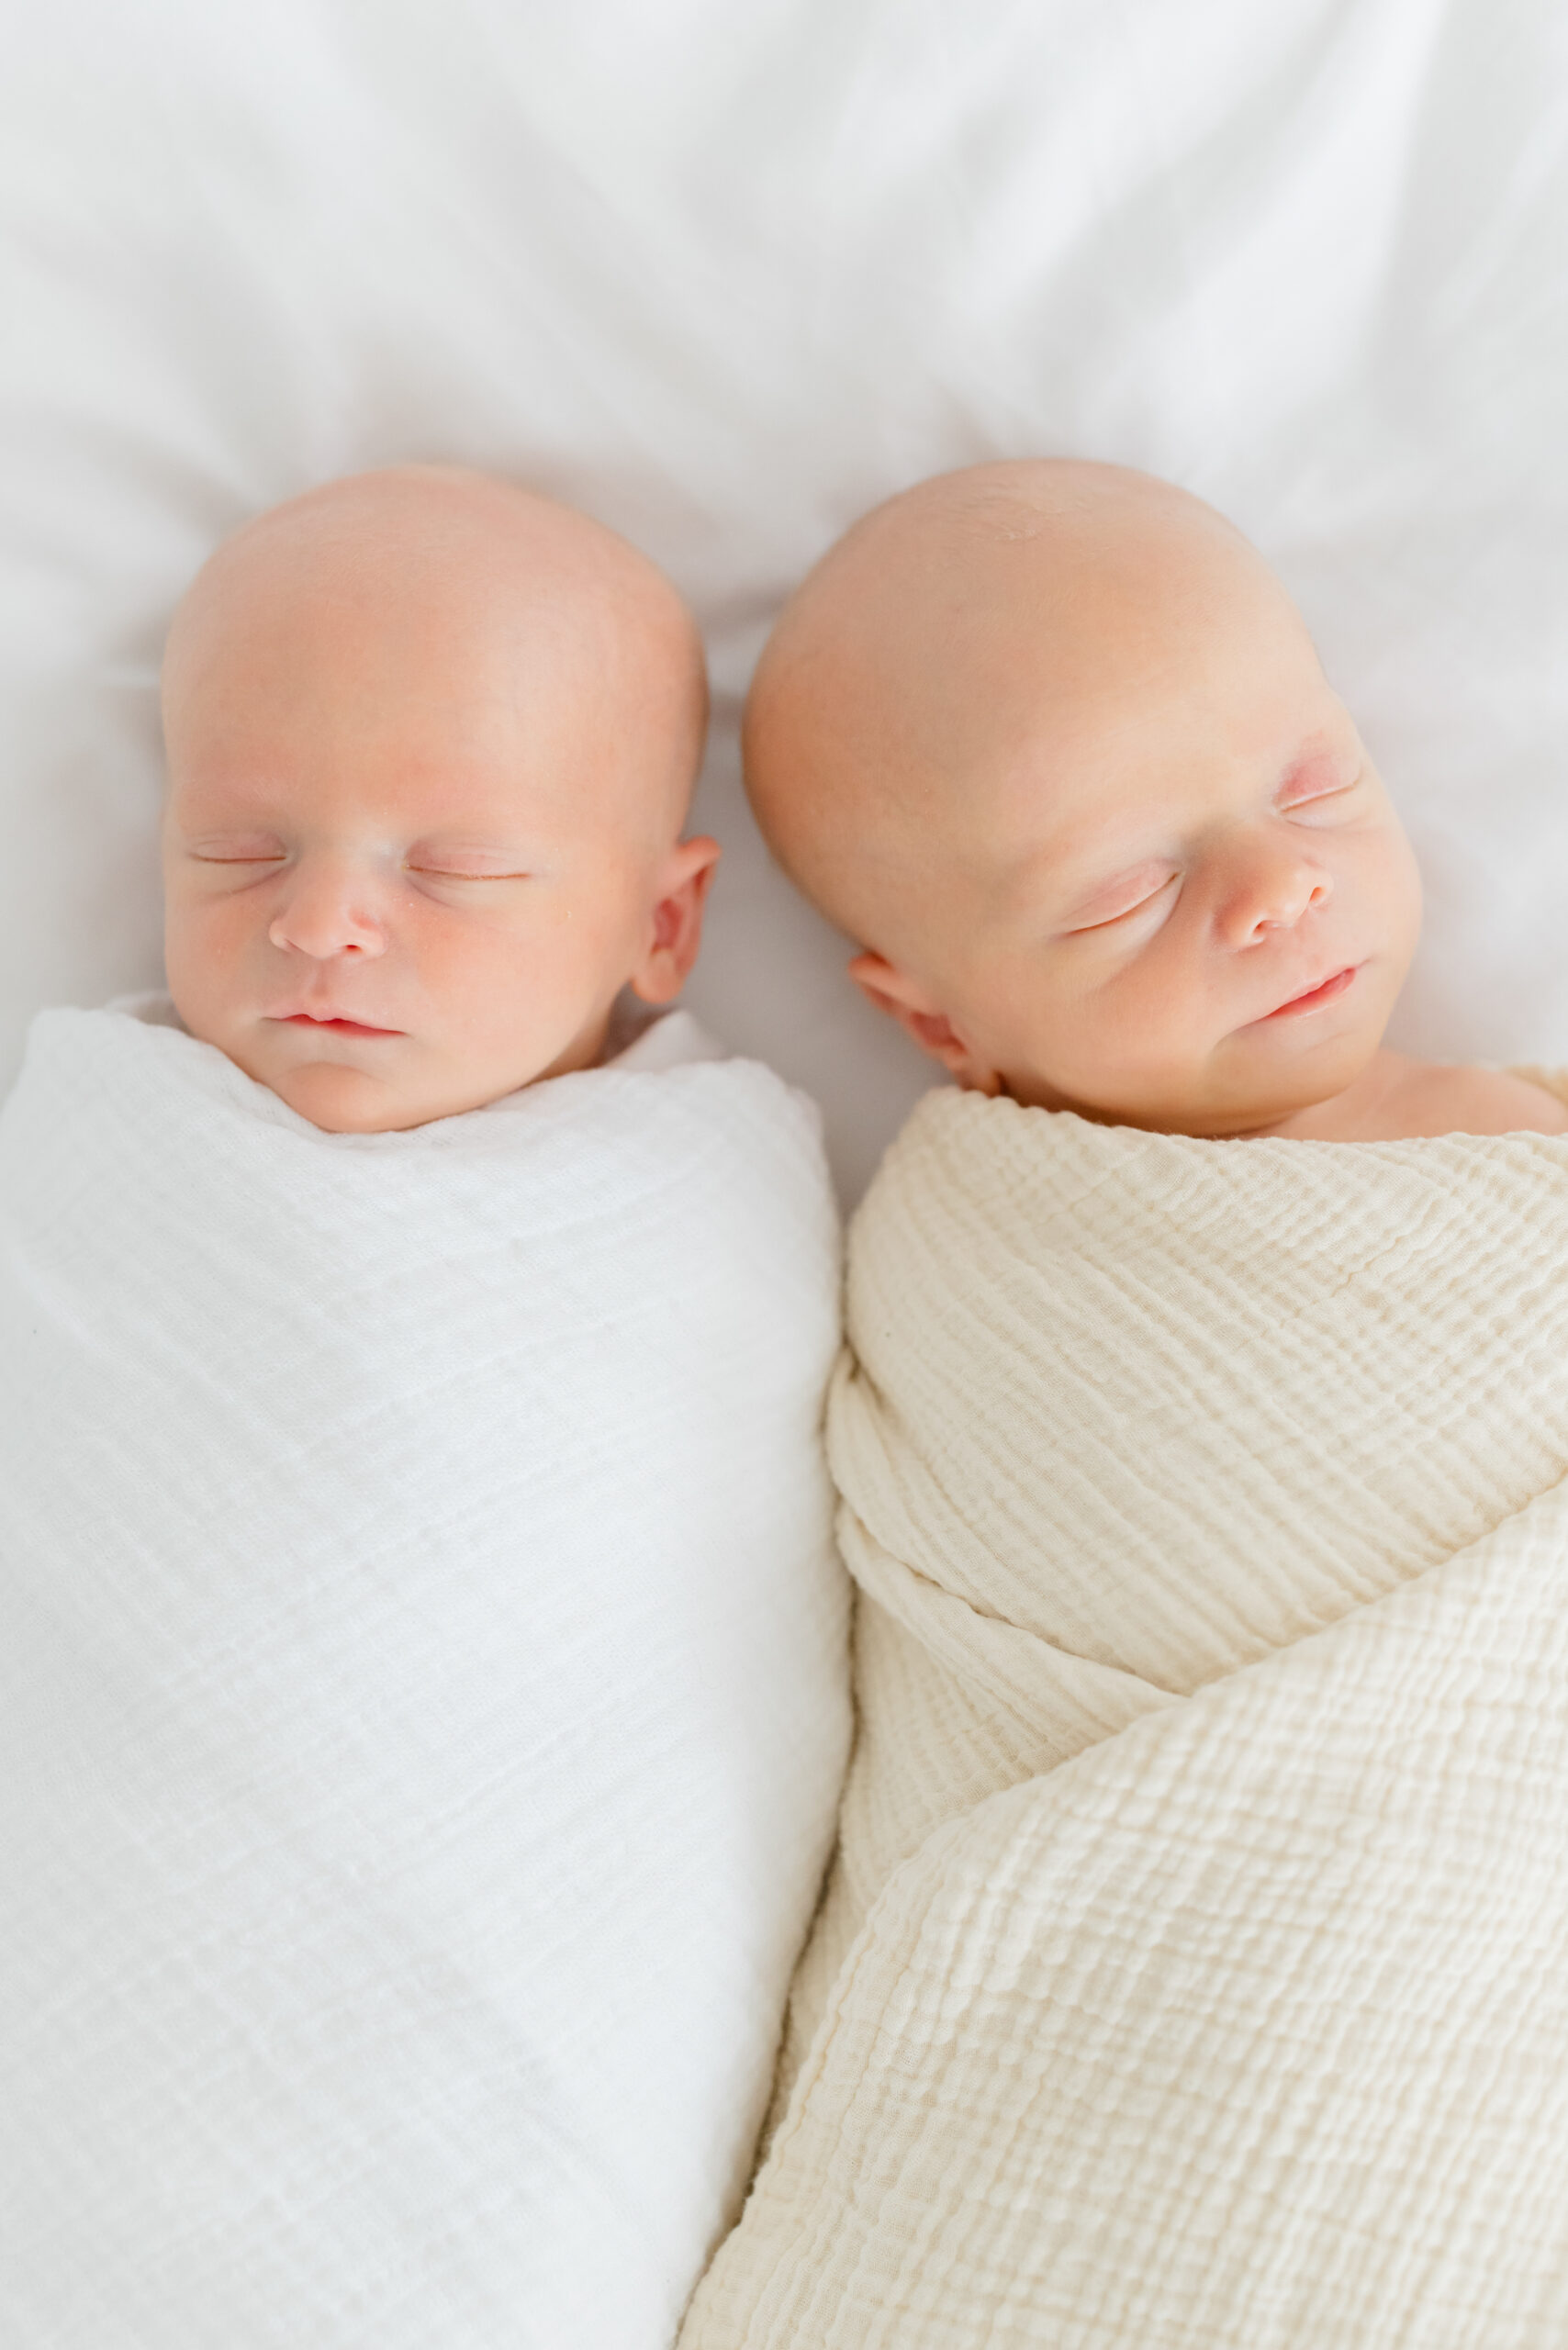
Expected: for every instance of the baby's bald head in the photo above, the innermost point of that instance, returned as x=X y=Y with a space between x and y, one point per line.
x=431 y=742
x=1010 y=694
x=434 y=583
x=937 y=638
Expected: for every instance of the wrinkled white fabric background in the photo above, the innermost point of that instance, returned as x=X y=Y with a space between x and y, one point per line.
x=725 y=276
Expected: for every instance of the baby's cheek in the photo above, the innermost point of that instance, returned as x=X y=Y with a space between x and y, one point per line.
x=504 y=990
x=1148 y=1021
x=204 y=952
x=1406 y=888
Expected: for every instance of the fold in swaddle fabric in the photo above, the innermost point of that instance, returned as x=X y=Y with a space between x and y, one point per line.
x=1192 y=1974
x=422 y=1695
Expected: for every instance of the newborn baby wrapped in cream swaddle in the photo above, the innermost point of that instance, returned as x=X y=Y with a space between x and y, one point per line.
x=1190 y=1970
x=422 y=1688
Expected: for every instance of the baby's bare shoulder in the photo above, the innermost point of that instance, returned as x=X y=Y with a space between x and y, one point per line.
x=1444 y=1099
x=1402 y=1100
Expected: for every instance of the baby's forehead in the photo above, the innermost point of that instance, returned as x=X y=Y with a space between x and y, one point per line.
x=330 y=580
x=423 y=616
x=453 y=560
x=955 y=618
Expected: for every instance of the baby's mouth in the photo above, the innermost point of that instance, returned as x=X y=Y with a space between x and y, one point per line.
x=1324 y=993
x=338 y=1024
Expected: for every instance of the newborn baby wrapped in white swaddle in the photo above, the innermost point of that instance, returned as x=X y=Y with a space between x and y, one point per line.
x=421 y=1694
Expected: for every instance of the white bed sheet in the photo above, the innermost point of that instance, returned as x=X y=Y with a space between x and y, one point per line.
x=725 y=277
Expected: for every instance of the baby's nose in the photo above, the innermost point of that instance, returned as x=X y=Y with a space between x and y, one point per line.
x=328 y=911
x=1272 y=891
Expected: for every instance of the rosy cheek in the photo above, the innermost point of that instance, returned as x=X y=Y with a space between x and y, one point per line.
x=450 y=961
x=232 y=920
x=220 y=938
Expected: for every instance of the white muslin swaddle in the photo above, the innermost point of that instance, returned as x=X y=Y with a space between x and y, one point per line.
x=423 y=1697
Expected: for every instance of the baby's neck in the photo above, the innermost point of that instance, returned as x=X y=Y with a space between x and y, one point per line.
x=1397 y=1099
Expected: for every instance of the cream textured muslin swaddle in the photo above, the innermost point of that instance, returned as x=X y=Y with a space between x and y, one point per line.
x=423 y=1694
x=1192 y=1972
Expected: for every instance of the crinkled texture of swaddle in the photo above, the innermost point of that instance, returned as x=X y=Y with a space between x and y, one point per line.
x=1190 y=1973
x=422 y=1695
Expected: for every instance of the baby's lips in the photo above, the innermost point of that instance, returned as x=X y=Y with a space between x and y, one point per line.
x=1322 y=992
x=341 y=1022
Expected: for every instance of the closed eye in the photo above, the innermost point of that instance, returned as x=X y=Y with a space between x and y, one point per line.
x=1322 y=793
x=239 y=852
x=1138 y=894
x=444 y=872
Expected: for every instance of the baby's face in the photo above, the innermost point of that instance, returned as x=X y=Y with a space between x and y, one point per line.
x=1128 y=856
x=409 y=859
x=1184 y=903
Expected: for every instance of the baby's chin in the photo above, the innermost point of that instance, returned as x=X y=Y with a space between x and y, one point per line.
x=344 y=1100
x=1234 y=1094
x=401 y=1084
x=1258 y=1088
x=347 y=1101
x=341 y=1099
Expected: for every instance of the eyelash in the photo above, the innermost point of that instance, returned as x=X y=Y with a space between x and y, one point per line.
x=431 y=872
x=1316 y=798
x=1086 y=928
x=444 y=873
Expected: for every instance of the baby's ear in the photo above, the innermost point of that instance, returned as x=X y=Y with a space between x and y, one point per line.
x=905 y=1000
x=678 y=921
